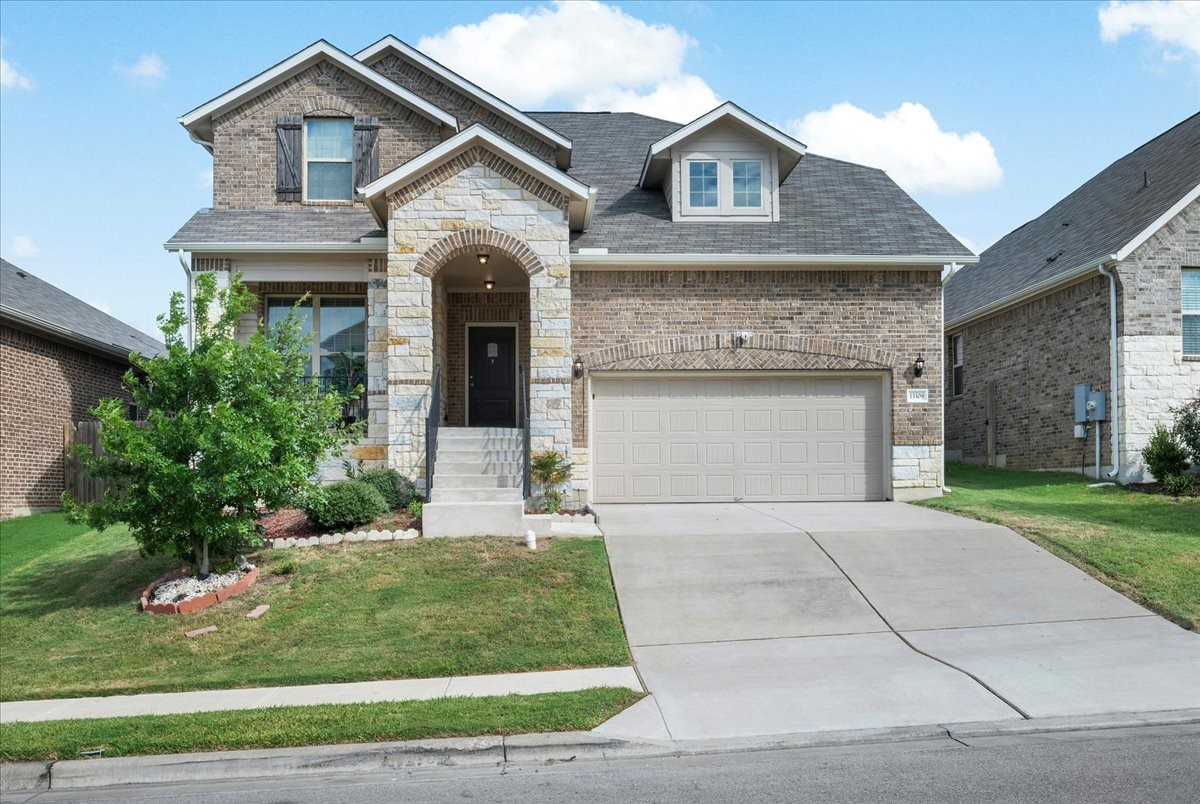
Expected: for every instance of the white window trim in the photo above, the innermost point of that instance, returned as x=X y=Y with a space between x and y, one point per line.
x=315 y=298
x=307 y=161
x=1186 y=312
x=725 y=211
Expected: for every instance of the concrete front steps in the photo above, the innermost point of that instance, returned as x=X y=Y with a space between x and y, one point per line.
x=477 y=485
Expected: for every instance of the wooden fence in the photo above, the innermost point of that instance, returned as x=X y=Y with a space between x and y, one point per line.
x=83 y=487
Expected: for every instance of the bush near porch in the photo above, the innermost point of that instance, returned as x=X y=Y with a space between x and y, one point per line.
x=346 y=613
x=1145 y=546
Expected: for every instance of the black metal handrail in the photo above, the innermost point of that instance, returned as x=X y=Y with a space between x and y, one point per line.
x=523 y=410
x=431 y=430
x=352 y=388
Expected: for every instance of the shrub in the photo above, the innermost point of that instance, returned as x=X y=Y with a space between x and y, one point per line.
x=1165 y=455
x=551 y=471
x=287 y=567
x=416 y=508
x=1187 y=427
x=1178 y=485
x=345 y=505
x=397 y=490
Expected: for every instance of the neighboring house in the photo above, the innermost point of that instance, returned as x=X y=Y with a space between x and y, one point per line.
x=58 y=358
x=1035 y=316
x=689 y=313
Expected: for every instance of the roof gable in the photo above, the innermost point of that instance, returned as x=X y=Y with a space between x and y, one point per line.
x=581 y=196
x=390 y=45
x=791 y=151
x=1102 y=221
x=198 y=122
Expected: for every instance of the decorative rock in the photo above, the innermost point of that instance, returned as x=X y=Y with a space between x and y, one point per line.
x=373 y=535
x=278 y=544
x=354 y=537
x=386 y=536
x=407 y=534
x=289 y=542
x=208 y=629
x=257 y=612
x=313 y=541
x=336 y=538
x=325 y=539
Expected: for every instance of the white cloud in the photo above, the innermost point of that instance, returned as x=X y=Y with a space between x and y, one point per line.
x=23 y=247
x=10 y=76
x=908 y=143
x=204 y=180
x=585 y=55
x=1169 y=23
x=149 y=70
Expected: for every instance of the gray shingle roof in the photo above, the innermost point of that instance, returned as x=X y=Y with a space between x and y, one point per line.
x=1096 y=220
x=301 y=225
x=39 y=304
x=826 y=207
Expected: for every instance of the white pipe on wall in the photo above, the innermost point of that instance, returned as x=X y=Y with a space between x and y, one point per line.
x=1113 y=391
x=187 y=271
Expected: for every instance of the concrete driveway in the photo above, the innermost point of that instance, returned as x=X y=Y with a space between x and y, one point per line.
x=759 y=619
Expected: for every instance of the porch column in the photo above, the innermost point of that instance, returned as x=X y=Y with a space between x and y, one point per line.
x=550 y=347
x=409 y=368
x=373 y=447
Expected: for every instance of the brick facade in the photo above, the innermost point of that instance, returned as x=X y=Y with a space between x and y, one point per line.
x=244 y=139
x=801 y=320
x=44 y=386
x=1032 y=356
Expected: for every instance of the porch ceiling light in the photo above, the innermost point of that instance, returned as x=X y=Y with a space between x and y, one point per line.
x=489 y=283
x=483 y=258
x=919 y=366
x=577 y=367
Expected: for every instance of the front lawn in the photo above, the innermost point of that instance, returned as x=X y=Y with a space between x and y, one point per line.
x=281 y=727
x=1145 y=546
x=356 y=612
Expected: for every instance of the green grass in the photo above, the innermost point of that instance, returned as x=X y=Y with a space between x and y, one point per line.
x=1145 y=546
x=358 y=612
x=313 y=725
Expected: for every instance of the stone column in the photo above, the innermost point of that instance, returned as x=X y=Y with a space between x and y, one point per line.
x=409 y=353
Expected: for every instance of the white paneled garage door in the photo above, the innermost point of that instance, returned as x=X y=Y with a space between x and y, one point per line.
x=718 y=437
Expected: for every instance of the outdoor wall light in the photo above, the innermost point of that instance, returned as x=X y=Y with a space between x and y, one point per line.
x=483 y=258
x=489 y=283
x=919 y=366
x=577 y=367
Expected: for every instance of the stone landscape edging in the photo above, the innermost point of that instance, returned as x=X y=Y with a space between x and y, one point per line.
x=338 y=538
x=195 y=603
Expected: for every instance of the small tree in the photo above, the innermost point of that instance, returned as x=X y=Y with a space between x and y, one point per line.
x=551 y=471
x=1187 y=427
x=1165 y=455
x=230 y=425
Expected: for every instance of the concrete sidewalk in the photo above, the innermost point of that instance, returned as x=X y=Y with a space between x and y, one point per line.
x=416 y=689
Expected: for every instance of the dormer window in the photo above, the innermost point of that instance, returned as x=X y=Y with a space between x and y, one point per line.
x=702 y=184
x=329 y=159
x=719 y=185
x=747 y=183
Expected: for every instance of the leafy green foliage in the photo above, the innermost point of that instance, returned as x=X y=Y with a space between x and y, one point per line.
x=1165 y=454
x=1187 y=427
x=345 y=505
x=230 y=425
x=416 y=508
x=1179 y=485
x=397 y=490
x=550 y=470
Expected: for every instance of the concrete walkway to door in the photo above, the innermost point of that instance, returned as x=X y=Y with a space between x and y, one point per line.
x=778 y=618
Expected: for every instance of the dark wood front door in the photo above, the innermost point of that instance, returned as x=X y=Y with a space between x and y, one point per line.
x=492 y=377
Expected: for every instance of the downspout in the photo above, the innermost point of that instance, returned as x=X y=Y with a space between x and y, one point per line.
x=1115 y=426
x=187 y=270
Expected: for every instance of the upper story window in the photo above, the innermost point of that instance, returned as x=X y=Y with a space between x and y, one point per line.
x=747 y=183
x=1190 y=303
x=703 y=185
x=329 y=159
x=956 y=360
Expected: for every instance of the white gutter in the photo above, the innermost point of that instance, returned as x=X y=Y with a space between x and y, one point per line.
x=55 y=331
x=1115 y=426
x=1033 y=291
x=688 y=260
x=187 y=271
x=376 y=245
x=208 y=146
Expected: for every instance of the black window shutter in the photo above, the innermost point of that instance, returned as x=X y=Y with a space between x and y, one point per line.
x=366 y=152
x=288 y=157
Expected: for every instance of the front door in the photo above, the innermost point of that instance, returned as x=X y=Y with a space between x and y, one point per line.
x=491 y=376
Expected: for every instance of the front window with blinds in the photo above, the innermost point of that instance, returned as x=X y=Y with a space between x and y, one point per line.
x=336 y=329
x=1190 y=302
x=328 y=159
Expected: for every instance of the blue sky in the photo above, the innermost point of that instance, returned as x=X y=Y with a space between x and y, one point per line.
x=987 y=112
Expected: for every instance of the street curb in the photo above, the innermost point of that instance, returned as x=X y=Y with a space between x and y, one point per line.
x=525 y=749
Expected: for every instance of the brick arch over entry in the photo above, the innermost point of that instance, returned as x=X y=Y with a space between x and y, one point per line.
x=718 y=351
x=470 y=241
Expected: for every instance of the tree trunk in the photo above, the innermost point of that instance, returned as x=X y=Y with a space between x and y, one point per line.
x=200 y=550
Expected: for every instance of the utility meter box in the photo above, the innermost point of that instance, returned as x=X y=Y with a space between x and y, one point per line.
x=1096 y=405
x=1082 y=392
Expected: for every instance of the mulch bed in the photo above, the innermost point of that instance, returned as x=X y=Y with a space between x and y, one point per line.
x=1157 y=488
x=294 y=523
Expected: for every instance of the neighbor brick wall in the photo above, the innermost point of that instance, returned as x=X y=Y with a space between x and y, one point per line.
x=875 y=317
x=244 y=138
x=464 y=308
x=43 y=386
x=466 y=110
x=1035 y=354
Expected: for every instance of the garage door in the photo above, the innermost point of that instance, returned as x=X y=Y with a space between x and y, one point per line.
x=663 y=437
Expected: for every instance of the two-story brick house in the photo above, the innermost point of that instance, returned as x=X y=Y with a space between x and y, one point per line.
x=702 y=312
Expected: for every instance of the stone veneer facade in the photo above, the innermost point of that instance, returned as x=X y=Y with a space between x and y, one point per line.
x=1035 y=354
